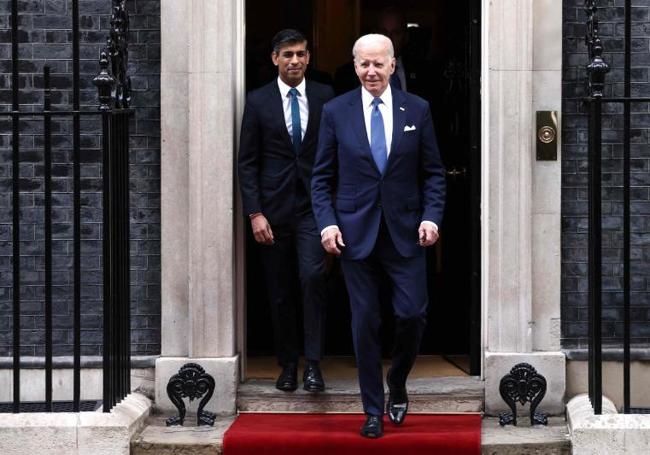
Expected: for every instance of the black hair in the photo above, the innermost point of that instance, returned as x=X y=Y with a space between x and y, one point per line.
x=285 y=37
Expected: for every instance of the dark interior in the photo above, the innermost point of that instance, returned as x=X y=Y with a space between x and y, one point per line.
x=443 y=37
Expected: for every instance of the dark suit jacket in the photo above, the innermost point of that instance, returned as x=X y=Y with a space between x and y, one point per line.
x=349 y=191
x=270 y=172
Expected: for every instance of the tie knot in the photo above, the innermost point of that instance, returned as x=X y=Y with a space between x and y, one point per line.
x=293 y=91
x=376 y=102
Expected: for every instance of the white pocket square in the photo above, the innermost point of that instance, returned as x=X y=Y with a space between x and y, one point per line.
x=409 y=128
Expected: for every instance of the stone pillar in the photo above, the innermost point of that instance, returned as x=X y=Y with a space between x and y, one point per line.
x=198 y=75
x=522 y=43
x=174 y=103
x=547 y=181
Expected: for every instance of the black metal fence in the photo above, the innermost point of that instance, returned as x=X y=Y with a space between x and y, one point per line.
x=596 y=103
x=113 y=86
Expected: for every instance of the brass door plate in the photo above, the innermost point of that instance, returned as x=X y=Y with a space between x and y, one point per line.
x=546 y=135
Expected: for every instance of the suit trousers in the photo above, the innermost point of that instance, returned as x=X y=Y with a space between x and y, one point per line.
x=409 y=300
x=298 y=244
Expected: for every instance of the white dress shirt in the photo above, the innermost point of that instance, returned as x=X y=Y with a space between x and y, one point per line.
x=386 y=109
x=302 y=103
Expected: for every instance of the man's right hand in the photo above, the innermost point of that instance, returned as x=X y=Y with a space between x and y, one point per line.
x=262 y=230
x=332 y=241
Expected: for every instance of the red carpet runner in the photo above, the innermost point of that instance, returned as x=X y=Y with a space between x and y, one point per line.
x=338 y=434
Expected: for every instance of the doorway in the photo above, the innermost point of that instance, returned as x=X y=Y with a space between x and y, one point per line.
x=444 y=44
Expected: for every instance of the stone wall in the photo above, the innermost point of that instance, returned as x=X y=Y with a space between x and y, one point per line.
x=574 y=175
x=45 y=36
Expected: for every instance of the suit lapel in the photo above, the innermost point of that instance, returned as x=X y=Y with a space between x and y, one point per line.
x=358 y=123
x=399 y=122
x=277 y=111
x=314 y=103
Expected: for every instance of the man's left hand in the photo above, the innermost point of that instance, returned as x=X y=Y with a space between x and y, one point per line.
x=427 y=234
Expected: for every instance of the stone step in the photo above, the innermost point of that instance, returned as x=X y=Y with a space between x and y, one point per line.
x=158 y=439
x=445 y=394
x=525 y=440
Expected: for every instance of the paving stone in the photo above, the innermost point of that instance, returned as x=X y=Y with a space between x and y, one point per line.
x=159 y=439
x=525 y=440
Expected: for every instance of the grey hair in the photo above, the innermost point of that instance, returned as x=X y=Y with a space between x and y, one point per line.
x=373 y=38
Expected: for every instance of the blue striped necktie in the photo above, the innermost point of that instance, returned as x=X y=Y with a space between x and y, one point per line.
x=378 y=136
x=295 y=120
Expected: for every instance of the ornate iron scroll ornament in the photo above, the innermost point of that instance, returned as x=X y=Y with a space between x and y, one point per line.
x=115 y=85
x=191 y=382
x=523 y=384
x=597 y=67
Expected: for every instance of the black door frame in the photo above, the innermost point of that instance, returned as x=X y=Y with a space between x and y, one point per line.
x=474 y=61
x=473 y=65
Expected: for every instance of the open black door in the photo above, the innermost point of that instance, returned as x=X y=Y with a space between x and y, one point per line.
x=455 y=314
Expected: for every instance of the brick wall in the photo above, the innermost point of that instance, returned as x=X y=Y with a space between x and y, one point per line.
x=45 y=35
x=45 y=31
x=574 y=175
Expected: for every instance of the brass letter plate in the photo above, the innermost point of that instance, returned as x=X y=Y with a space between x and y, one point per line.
x=546 y=134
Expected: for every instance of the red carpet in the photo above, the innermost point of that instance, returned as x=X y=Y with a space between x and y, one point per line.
x=338 y=434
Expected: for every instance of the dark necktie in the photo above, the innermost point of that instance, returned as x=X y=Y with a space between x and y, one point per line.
x=295 y=120
x=378 y=136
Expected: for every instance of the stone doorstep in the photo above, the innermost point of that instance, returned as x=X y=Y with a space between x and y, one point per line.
x=451 y=394
x=159 y=439
x=525 y=440
x=458 y=394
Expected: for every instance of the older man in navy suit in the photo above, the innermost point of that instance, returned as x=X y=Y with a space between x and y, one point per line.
x=277 y=148
x=378 y=196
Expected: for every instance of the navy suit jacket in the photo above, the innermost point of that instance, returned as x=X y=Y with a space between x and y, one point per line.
x=269 y=169
x=348 y=190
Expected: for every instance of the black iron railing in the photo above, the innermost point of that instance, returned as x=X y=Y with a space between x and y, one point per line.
x=113 y=86
x=596 y=70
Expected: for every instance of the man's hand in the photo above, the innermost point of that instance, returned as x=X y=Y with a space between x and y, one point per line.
x=262 y=230
x=427 y=234
x=332 y=241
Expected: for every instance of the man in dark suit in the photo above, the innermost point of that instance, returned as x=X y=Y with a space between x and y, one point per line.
x=276 y=155
x=378 y=196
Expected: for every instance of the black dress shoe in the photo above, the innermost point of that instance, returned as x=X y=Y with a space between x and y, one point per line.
x=288 y=379
x=398 y=404
x=373 y=428
x=313 y=378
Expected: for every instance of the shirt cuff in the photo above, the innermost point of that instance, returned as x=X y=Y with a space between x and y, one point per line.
x=435 y=226
x=327 y=228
